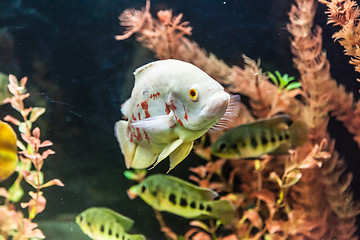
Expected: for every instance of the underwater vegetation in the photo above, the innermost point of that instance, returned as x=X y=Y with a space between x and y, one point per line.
x=303 y=194
x=13 y=224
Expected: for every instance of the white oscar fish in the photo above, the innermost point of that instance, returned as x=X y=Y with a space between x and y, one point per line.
x=172 y=104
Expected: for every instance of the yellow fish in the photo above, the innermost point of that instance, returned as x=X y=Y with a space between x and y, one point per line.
x=265 y=136
x=8 y=151
x=101 y=223
x=174 y=195
x=172 y=104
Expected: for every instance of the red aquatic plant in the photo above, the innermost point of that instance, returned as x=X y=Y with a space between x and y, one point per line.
x=32 y=158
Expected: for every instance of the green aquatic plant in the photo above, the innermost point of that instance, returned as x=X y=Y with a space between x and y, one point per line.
x=283 y=82
x=13 y=225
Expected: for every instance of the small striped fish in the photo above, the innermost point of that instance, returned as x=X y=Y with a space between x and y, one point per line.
x=8 y=151
x=101 y=223
x=266 y=136
x=174 y=195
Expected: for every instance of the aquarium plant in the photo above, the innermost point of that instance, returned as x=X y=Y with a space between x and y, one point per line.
x=32 y=154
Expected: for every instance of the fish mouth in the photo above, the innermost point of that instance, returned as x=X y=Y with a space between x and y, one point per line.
x=212 y=111
x=131 y=193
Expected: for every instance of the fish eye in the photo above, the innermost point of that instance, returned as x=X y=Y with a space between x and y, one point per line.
x=143 y=188
x=193 y=94
x=222 y=147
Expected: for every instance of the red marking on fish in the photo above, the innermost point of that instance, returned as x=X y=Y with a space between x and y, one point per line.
x=179 y=121
x=172 y=105
x=139 y=116
x=185 y=116
x=133 y=117
x=167 y=109
x=137 y=105
x=138 y=135
x=154 y=95
x=147 y=137
x=145 y=107
x=130 y=132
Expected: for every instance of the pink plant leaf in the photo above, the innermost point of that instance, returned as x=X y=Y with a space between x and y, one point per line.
x=230 y=237
x=196 y=234
x=22 y=97
x=268 y=197
x=13 y=80
x=254 y=218
x=31 y=230
x=23 y=82
x=46 y=153
x=46 y=143
x=30 y=177
x=200 y=170
x=11 y=119
x=26 y=138
x=36 y=113
x=273 y=226
x=53 y=182
x=169 y=233
x=39 y=204
x=4 y=193
x=36 y=132
x=201 y=236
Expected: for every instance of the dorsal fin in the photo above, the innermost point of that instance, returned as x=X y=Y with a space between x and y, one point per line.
x=125 y=222
x=141 y=69
x=278 y=121
x=207 y=194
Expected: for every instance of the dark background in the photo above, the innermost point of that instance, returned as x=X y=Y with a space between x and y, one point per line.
x=81 y=74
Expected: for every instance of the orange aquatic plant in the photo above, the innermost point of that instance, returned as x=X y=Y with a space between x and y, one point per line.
x=346 y=14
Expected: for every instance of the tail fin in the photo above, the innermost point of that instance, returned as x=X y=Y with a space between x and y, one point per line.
x=298 y=132
x=223 y=210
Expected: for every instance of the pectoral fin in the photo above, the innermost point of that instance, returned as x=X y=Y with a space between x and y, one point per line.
x=157 y=123
x=127 y=147
x=180 y=153
x=143 y=158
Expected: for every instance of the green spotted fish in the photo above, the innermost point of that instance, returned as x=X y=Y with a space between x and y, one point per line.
x=101 y=223
x=174 y=195
x=266 y=136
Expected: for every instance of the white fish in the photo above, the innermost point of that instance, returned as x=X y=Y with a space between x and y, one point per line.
x=172 y=104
